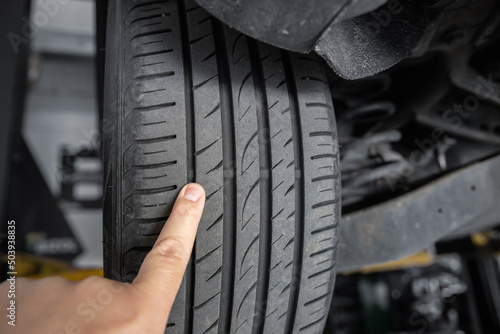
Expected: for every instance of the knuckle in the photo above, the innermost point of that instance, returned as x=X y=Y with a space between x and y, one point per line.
x=135 y=308
x=92 y=281
x=55 y=281
x=190 y=212
x=133 y=314
x=129 y=319
x=88 y=285
x=172 y=248
x=48 y=283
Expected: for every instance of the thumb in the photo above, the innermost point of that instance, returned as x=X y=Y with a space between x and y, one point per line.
x=163 y=268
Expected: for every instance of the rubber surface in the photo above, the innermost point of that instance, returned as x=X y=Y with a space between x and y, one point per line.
x=190 y=100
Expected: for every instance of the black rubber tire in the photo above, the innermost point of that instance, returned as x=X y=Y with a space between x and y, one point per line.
x=190 y=100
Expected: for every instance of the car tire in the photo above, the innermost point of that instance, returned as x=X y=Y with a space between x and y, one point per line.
x=190 y=100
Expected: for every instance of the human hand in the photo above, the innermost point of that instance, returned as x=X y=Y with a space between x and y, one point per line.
x=98 y=305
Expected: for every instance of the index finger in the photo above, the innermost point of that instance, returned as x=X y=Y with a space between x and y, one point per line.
x=163 y=268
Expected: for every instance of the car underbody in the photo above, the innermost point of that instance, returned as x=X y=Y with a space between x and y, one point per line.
x=416 y=95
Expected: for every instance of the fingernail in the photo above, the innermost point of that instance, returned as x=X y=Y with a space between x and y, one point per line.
x=193 y=193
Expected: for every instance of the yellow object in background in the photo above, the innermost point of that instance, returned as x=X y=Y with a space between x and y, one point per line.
x=32 y=266
x=420 y=259
x=423 y=258
x=480 y=239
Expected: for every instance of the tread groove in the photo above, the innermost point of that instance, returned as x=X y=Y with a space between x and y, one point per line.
x=325 y=228
x=321 y=272
x=321 y=133
x=155 y=106
x=145 y=4
x=155 y=140
x=211 y=326
x=246 y=252
x=154 y=76
x=208 y=146
x=154 y=190
x=219 y=165
x=190 y=157
x=266 y=208
x=155 y=16
x=245 y=297
x=324 y=203
x=152 y=53
x=201 y=84
x=312 y=323
x=204 y=257
x=252 y=137
x=319 y=104
x=324 y=177
x=150 y=33
x=321 y=251
x=229 y=172
x=210 y=55
x=196 y=307
x=215 y=222
x=323 y=156
x=217 y=272
x=157 y=165
x=213 y=110
x=200 y=38
x=298 y=161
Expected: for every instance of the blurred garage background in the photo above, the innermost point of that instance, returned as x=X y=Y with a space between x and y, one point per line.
x=58 y=152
